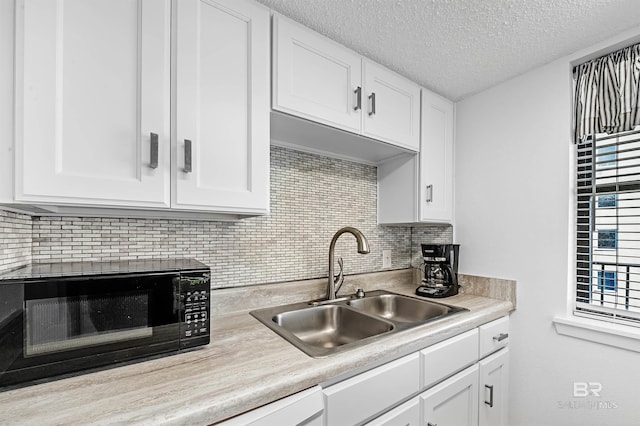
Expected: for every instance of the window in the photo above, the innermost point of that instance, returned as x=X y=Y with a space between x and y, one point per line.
x=608 y=227
x=606 y=157
x=605 y=201
x=607 y=238
x=607 y=281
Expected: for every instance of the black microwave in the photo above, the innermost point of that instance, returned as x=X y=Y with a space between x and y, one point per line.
x=61 y=318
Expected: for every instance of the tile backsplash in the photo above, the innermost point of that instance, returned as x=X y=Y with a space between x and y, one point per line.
x=311 y=198
x=15 y=240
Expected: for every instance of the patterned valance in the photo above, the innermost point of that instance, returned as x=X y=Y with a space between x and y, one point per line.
x=607 y=95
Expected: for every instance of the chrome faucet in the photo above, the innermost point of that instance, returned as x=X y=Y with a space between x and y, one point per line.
x=335 y=282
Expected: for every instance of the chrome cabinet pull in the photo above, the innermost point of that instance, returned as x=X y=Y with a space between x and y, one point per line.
x=358 y=93
x=500 y=337
x=490 y=403
x=372 y=101
x=187 y=156
x=429 y=193
x=153 y=160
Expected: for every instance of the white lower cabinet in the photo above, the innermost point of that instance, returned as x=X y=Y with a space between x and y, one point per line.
x=453 y=402
x=475 y=396
x=460 y=381
x=494 y=389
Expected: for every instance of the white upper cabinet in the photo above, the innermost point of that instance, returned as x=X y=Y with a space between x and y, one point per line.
x=420 y=188
x=314 y=77
x=392 y=107
x=142 y=104
x=221 y=146
x=436 y=159
x=92 y=86
x=322 y=81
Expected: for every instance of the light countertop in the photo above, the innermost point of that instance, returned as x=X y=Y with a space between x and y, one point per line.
x=245 y=366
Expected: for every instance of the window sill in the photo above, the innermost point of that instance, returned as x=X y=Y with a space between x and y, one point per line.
x=616 y=335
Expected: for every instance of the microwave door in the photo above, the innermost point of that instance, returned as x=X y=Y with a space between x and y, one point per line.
x=66 y=325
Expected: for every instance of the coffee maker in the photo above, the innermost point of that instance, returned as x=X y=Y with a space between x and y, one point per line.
x=440 y=270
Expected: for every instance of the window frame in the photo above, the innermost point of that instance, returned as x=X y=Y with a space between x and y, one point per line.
x=573 y=325
x=596 y=238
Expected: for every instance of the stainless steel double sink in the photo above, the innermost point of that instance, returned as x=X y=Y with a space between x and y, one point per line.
x=320 y=329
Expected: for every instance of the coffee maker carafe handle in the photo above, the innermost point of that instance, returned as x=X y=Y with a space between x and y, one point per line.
x=452 y=277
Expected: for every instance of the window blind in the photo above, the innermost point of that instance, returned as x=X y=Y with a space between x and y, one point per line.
x=608 y=227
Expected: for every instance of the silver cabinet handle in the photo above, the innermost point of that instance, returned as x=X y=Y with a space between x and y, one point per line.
x=358 y=93
x=429 y=193
x=500 y=337
x=187 y=156
x=432 y=424
x=153 y=160
x=372 y=102
x=490 y=403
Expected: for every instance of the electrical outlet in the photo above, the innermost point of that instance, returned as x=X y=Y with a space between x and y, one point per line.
x=386 y=258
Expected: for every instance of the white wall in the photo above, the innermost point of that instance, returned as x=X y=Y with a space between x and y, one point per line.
x=6 y=97
x=513 y=203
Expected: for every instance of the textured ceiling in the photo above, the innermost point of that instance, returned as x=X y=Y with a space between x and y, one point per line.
x=460 y=47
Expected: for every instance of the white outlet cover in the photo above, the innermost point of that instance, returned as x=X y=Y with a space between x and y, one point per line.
x=386 y=258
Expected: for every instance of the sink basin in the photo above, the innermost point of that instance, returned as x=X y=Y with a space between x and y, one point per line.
x=401 y=308
x=323 y=328
x=330 y=326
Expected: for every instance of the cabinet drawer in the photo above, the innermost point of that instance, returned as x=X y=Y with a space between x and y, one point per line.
x=359 y=398
x=299 y=408
x=407 y=414
x=494 y=336
x=445 y=358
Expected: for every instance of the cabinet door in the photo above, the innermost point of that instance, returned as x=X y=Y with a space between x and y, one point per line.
x=314 y=77
x=221 y=142
x=391 y=107
x=494 y=389
x=92 y=84
x=436 y=159
x=454 y=401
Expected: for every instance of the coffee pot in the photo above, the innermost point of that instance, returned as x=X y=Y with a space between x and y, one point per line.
x=440 y=263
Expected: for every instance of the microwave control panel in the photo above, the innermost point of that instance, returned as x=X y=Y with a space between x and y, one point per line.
x=194 y=325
